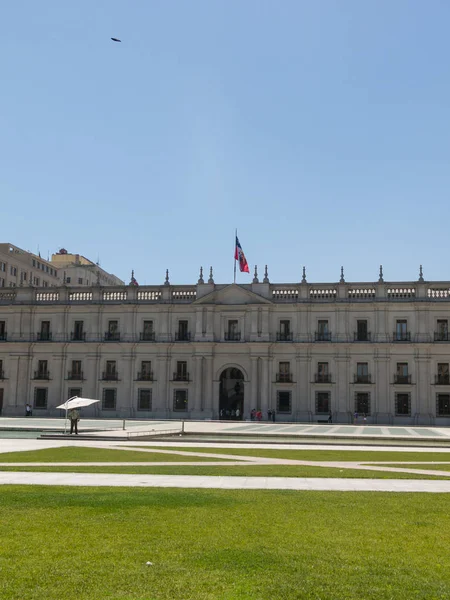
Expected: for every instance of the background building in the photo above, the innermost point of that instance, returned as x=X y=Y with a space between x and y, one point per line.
x=304 y=350
x=77 y=270
x=19 y=267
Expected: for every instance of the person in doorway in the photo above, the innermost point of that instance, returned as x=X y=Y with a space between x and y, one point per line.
x=355 y=418
x=273 y=416
x=238 y=413
x=28 y=411
x=253 y=414
x=269 y=415
x=74 y=417
x=258 y=415
x=365 y=419
x=330 y=418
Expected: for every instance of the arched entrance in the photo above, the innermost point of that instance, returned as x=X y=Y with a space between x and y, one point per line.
x=231 y=394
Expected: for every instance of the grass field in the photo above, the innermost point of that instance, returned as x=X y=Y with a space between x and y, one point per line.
x=234 y=471
x=86 y=454
x=60 y=543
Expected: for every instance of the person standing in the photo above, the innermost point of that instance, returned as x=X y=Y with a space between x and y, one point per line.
x=74 y=417
x=273 y=416
x=28 y=411
x=269 y=415
x=330 y=418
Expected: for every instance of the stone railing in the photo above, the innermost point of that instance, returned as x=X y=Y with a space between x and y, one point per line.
x=314 y=293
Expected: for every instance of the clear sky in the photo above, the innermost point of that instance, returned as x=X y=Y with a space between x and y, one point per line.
x=320 y=129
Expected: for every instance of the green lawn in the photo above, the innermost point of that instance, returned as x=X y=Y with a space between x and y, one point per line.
x=228 y=470
x=322 y=455
x=426 y=466
x=83 y=454
x=70 y=543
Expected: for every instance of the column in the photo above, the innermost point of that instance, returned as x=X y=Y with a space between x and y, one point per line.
x=301 y=402
x=254 y=383
x=341 y=404
x=162 y=384
x=211 y=404
x=196 y=403
x=421 y=404
x=265 y=362
x=383 y=403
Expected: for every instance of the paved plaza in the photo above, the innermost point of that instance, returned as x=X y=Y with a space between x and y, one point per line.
x=15 y=436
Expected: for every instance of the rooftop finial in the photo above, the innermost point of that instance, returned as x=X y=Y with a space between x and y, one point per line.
x=266 y=276
x=211 y=279
x=342 y=280
x=200 y=279
x=133 y=280
x=255 y=278
x=304 y=275
x=421 y=274
x=380 y=278
x=167 y=282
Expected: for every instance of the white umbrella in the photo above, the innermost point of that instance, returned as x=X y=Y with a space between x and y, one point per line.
x=75 y=402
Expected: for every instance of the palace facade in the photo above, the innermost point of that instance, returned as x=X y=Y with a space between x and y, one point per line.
x=208 y=351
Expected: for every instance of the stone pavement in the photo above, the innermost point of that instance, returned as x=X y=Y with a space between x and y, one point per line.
x=233 y=429
x=224 y=483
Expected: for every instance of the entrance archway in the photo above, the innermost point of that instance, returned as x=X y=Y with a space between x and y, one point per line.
x=231 y=394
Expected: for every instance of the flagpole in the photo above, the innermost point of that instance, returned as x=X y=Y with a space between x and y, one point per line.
x=234 y=255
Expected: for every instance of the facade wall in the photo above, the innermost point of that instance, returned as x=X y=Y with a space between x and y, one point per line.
x=387 y=393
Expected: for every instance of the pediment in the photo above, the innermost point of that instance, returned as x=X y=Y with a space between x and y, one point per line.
x=232 y=294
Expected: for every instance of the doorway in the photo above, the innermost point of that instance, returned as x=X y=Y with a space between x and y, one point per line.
x=231 y=394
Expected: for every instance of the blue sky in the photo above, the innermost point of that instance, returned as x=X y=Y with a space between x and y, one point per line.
x=320 y=129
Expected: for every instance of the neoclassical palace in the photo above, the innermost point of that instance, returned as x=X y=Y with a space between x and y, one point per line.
x=306 y=351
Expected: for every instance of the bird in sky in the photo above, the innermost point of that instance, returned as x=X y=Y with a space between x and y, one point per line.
x=116 y=40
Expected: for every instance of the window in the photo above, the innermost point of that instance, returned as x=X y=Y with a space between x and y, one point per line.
x=443 y=405
x=233 y=334
x=443 y=377
x=33 y=262
x=402 y=373
x=46 y=268
x=24 y=276
x=145 y=399
x=2 y=331
x=68 y=280
x=13 y=271
x=362 y=334
x=362 y=372
x=182 y=333
x=1 y=369
x=76 y=369
x=80 y=280
x=401 y=331
x=45 y=334
x=110 y=373
x=180 y=400
x=2 y=282
x=109 y=399
x=42 y=368
x=403 y=405
x=441 y=334
x=284 y=402
x=146 y=371
x=362 y=403
x=285 y=335
x=284 y=375
x=78 y=333
x=323 y=375
x=322 y=403
x=75 y=392
x=113 y=331
x=40 y=397
x=181 y=373
x=148 y=333
x=323 y=335
x=3 y=267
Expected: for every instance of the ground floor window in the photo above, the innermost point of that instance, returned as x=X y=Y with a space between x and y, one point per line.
x=362 y=403
x=109 y=399
x=180 y=400
x=40 y=397
x=75 y=392
x=145 y=399
x=323 y=403
x=284 y=401
x=403 y=404
x=443 y=405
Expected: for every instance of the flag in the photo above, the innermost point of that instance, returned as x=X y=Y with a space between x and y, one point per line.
x=240 y=256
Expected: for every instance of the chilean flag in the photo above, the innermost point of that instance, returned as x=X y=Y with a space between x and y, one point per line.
x=240 y=256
